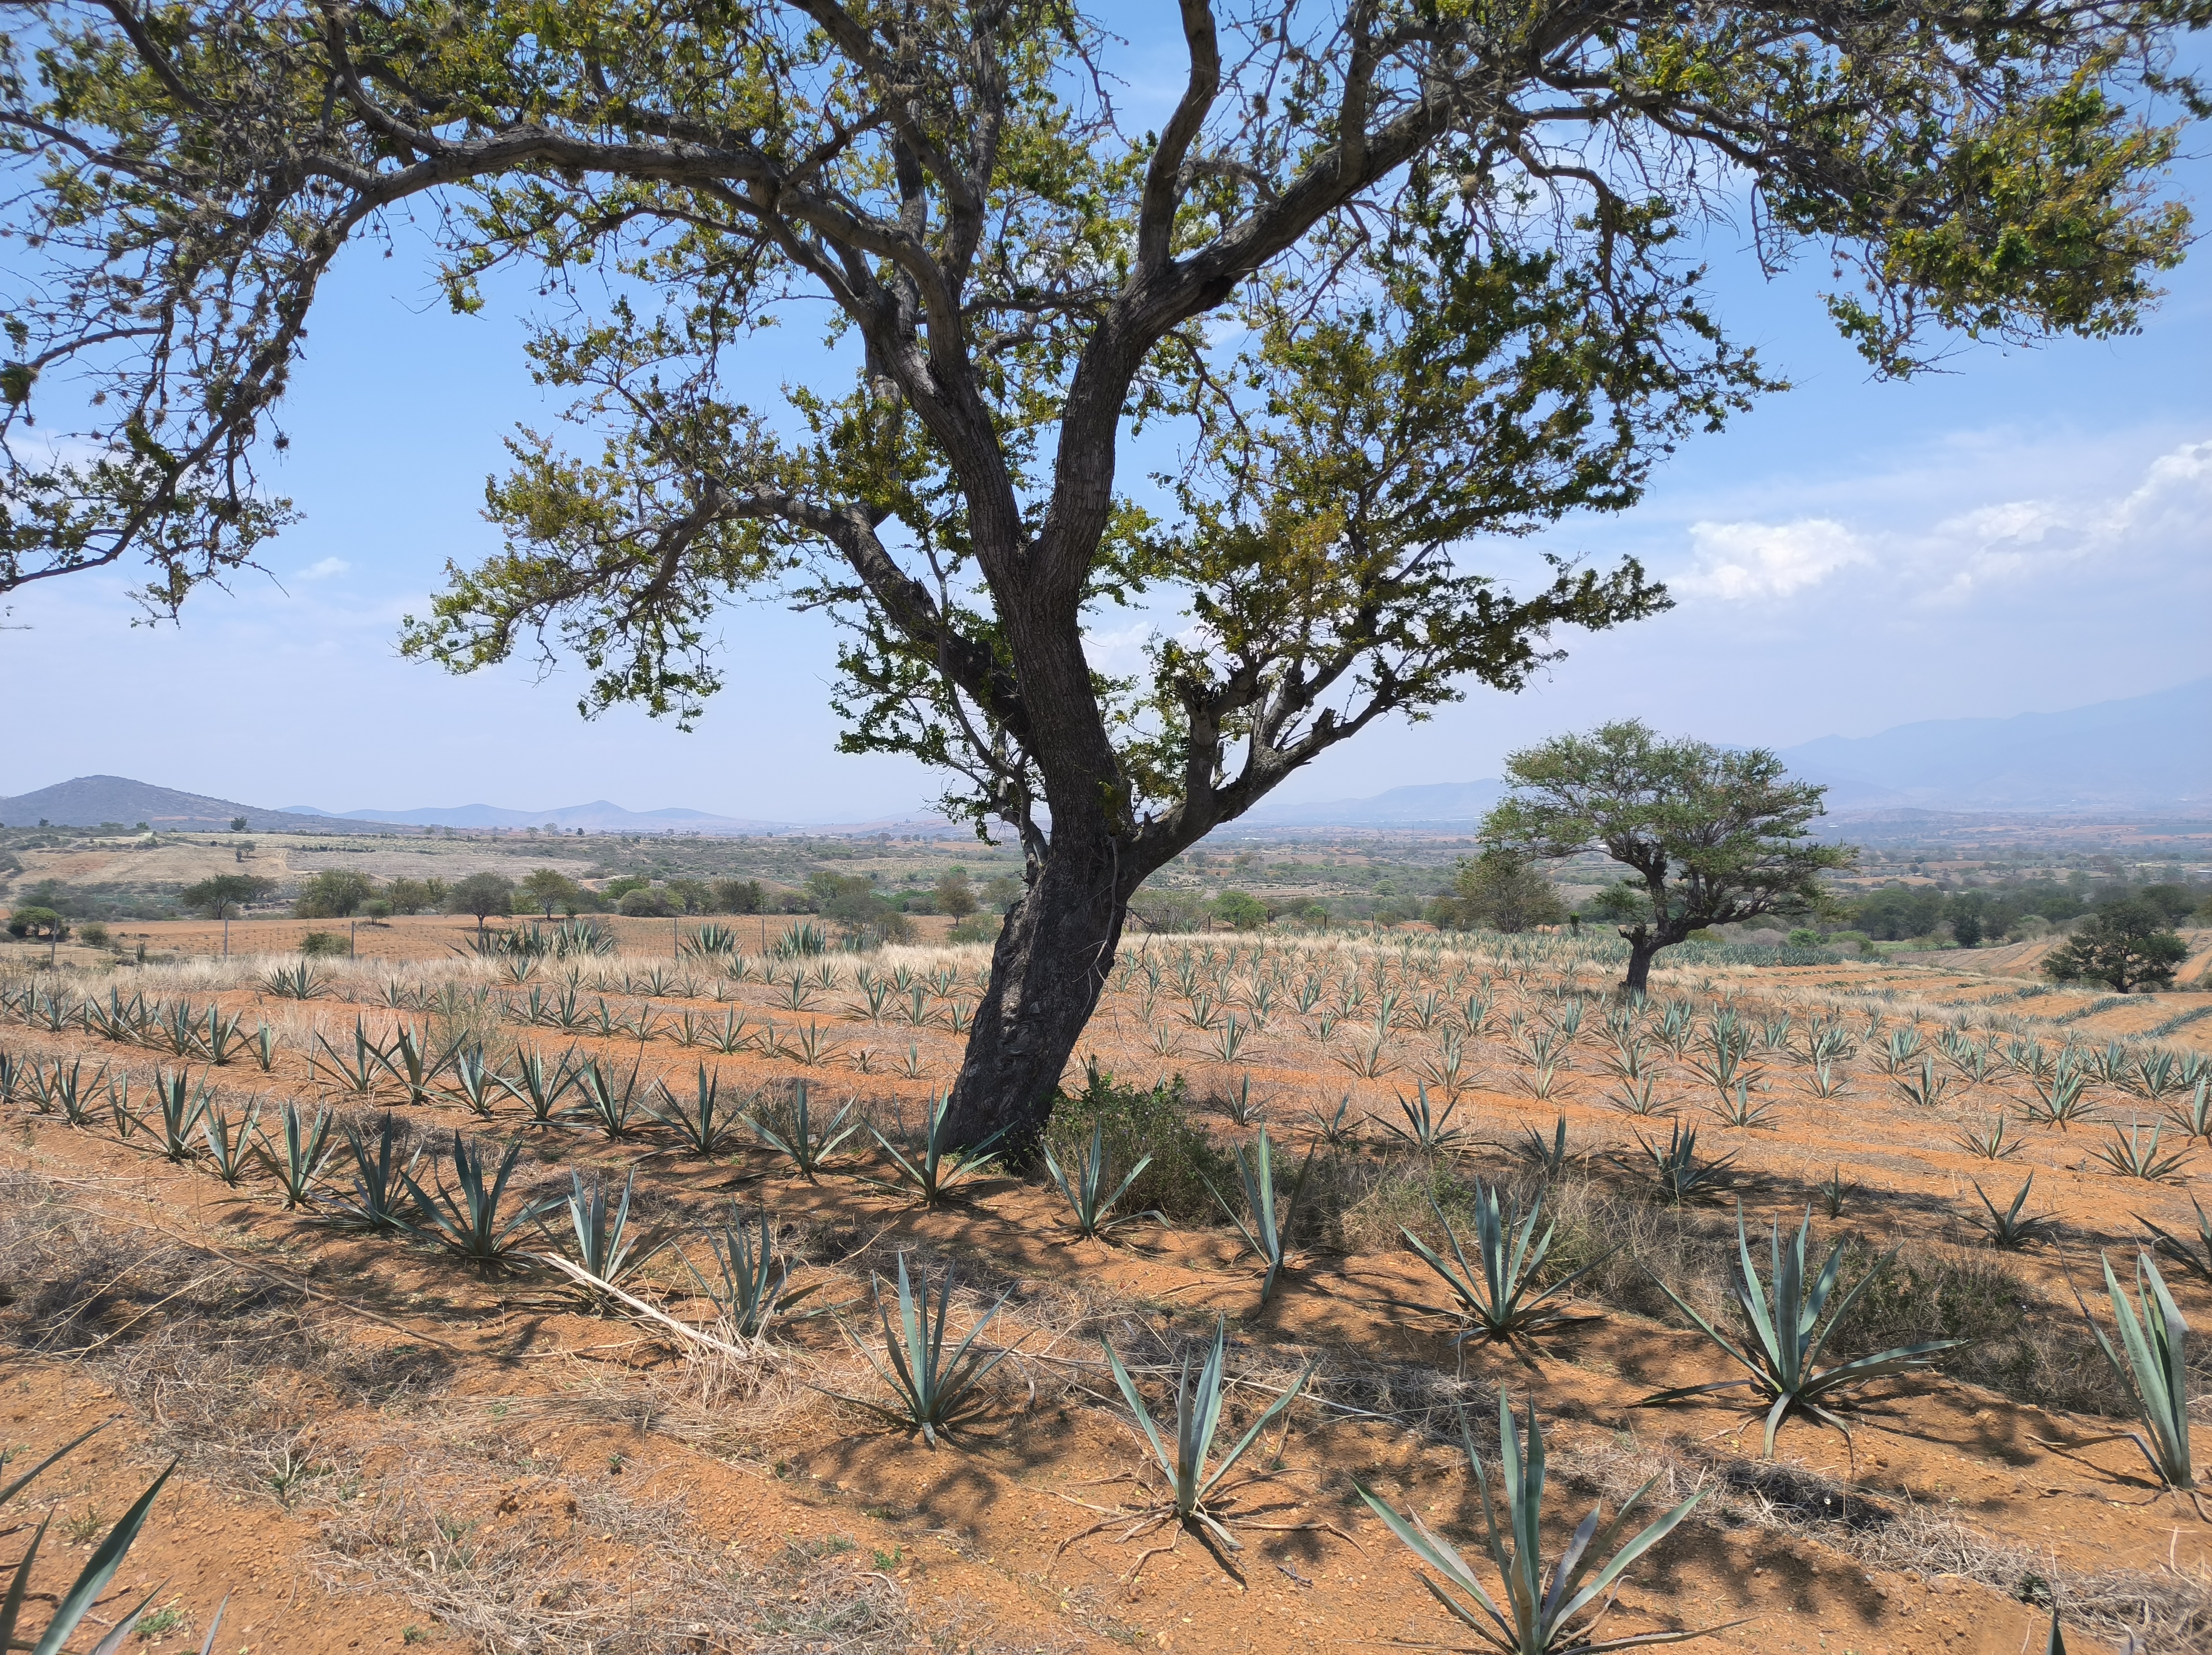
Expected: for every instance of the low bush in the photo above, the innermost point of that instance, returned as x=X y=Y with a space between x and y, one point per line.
x=317 y=942
x=1160 y=1121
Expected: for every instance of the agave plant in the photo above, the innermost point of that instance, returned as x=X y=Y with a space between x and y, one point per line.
x=1927 y=1089
x=1740 y=1109
x=74 y=1603
x=2061 y=1098
x=299 y=982
x=2194 y=1114
x=1537 y=1616
x=1991 y=1142
x=2198 y=1257
x=612 y=1108
x=539 y=1093
x=1267 y=1234
x=2009 y=1229
x=181 y=1105
x=1426 y=1130
x=356 y=1074
x=467 y=1217
x=605 y=1246
x=756 y=1283
x=1342 y=1128
x=935 y=1393
x=381 y=1202
x=1547 y=1155
x=1196 y=1481
x=1497 y=1300
x=1783 y=1355
x=798 y=1142
x=1675 y=1170
x=230 y=1149
x=2154 y=1369
x=476 y=1084
x=702 y=1125
x=1640 y=1096
x=939 y=1173
x=297 y=1165
x=2130 y=1157
x=1089 y=1201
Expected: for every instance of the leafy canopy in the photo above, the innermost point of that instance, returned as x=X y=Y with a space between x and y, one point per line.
x=1710 y=836
x=1393 y=275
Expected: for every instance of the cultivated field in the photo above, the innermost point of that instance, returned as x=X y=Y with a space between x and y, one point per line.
x=386 y=1444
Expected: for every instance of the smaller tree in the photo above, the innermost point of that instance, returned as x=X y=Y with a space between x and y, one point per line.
x=2125 y=945
x=645 y=902
x=482 y=895
x=739 y=896
x=40 y=923
x=334 y=893
x=1969 y=915
x=691 y=895
x=1240 y=911
x=1712 y=837
x=955 y=895
x=548 y=888
x=1500 y=890
x=238 y=824
x=221 y=895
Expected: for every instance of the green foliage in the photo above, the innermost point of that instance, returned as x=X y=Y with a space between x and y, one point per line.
x=1499 y=1301
x=795 y=1137
x=1240 y=911
x=467 y=1217
x=2198 y=1257
x=1265 y=1230
x=1089 y=1200
x=940 y=1172
x=704 y=1125
x=1537 y=1614
x=936 y=1393
x=548 y=889
x=2130 y=1157
x=1678 y=1174
x=753 y=1290
x=1155 y=1125
x=2155 y=1368
x=42 y=923
x=76 y=1600
x=1712 y=837
x=1499 y=890
x=297 y=1165
x=481 y=895
x=1782 y=1352
x=1192 y=1481
x=2008 y=1228
x=299 y=982
x=2125 y=945
x=333 y=894
x=605 y=1249
x=383 y=1199
x=221 y=895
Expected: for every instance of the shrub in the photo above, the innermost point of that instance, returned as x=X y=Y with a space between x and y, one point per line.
x=1499 y=890
x=95 y=933
x=333 y=894
x=1240 y=911
x=377 y=907
x=954 y=894
x=1158 y=1121
x=737 y=896
x=482 y=895
x=977 y=928
x=646 y=903
x=413 y=896
x=315 y=942
x=623 y=884
x=37 y=921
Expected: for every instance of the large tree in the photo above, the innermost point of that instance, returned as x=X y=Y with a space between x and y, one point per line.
x=1388 y=276
x=1710 y=837
x=2125 y=945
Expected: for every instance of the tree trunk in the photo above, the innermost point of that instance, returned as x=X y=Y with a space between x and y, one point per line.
x=1047 y=975
x=1641 y=951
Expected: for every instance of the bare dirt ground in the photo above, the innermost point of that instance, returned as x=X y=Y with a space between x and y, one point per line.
x=383 y=1447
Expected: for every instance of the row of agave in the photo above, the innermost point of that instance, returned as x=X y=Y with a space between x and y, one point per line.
x=933 y=1392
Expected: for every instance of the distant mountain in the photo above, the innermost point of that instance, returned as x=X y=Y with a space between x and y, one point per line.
x=597 y=817
x=88 y=801
x=1445 y=804
x=2148 y=753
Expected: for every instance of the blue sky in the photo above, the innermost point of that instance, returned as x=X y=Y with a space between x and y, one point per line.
x=2030 y=531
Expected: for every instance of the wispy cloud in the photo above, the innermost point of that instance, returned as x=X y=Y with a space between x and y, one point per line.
x=325 y=569
x=2160 y=522
x=1742 y=561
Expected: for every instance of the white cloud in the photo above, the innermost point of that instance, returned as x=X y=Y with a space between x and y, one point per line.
x=325 y=569
x=1741 y=562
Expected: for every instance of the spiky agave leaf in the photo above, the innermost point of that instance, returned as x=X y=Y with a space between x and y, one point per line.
x=1191 y=1479
x=807 y=1149
x=2008 y=1228
x=1268 y=1233
x=755 y=1288
x=467 y=1217
x=2198 y=1258
x=1536 y=1616
x=1495 y=1298
x=1088 y=1199
x=703 y=1125
x=298 y=1165
x=936 y=1393
x=72 y=1604
x=939 y=1173
x=1783 y=1355
x=2155 y=1368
